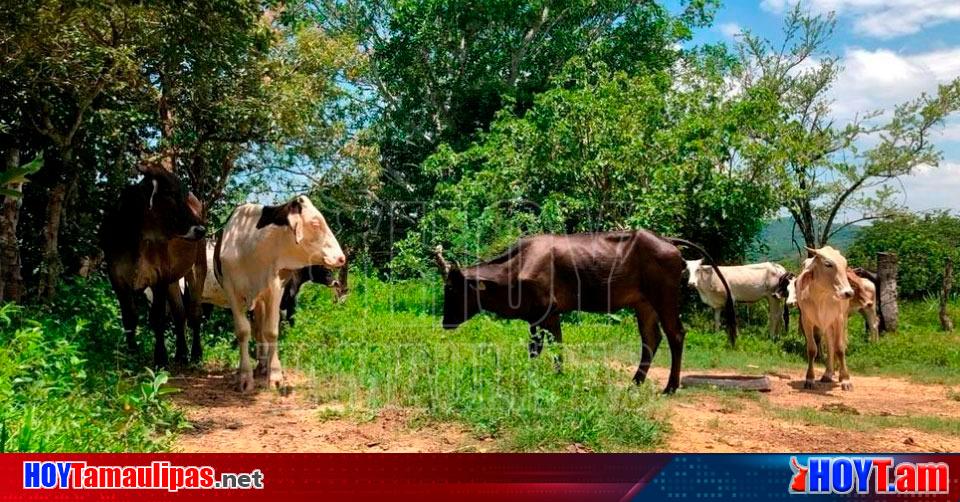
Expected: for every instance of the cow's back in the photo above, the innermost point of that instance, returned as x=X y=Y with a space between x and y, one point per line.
x=599 y=272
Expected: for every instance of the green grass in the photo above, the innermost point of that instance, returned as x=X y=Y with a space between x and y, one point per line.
x=384 y=347
x=66 y=384
x=63 y=388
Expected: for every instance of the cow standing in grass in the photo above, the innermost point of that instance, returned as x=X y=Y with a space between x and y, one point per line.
x=748 y=283
x=260 y=245
x=153 y=238
x=823 y=294
x=864 y=298
x=544 y=276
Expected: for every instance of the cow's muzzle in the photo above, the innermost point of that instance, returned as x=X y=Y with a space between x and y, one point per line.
x=195 y=233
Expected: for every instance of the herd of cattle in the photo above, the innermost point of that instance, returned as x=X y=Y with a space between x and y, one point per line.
x=154 y=241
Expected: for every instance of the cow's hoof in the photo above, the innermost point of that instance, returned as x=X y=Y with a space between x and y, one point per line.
x=671 y=389
x=276 y=379
x=808 y=384
x=846 y=386
x=247 y=383
x=826 y=378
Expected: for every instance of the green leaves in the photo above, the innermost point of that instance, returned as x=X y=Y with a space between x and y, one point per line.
x=18 y=175
x=618 y=152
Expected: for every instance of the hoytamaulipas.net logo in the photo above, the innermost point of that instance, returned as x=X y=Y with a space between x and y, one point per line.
x=159 y=475
x=878 y=475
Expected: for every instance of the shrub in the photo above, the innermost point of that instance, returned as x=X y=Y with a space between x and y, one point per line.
x=922 y=242
x=62 y=388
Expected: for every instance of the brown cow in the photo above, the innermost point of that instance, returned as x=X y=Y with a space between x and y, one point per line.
x=152 y=238
x=823 y=296
x=544 y=276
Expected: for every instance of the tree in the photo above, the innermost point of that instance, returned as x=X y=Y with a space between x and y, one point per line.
x=12 y=179
x=60 y=60
x=607 y=152
x=922 y=243
x=821 y=169
x=440 y=70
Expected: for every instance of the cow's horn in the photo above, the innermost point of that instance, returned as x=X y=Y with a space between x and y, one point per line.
x=441 y=263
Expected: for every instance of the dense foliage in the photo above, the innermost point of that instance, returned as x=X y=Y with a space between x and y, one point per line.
x=63 y=388
x=603 y=151
x=923 y=243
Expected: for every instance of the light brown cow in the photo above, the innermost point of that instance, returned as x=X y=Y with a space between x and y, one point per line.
x=864 y=300
x=259 y=248
x=823 y=296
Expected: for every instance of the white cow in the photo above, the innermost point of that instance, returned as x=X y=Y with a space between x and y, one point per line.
x=260 y=245
x=823 y=294
x=748 y=283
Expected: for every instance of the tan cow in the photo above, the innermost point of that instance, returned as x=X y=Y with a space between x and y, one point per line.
x=260 y=245
x=864 y=300
x=823 y=296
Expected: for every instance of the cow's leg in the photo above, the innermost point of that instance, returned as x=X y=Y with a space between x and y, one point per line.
x=128 y=315
x=828 y=352
x=158 y=322
x=175 y=300
x=872 y=323
x=716 y=319
x=535 y=347
x=649 y=339
x=259 y=344
x=271 y=332
x=552 y=324
x=194 y=283
x=241 y=327
x=807 y=328
x=840 y=352
x=774 y=315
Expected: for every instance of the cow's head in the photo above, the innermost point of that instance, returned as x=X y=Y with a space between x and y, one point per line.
x=170 y=210
x=312 y=238
x=322 y=275
x=829 y=269
x=461 y=295
x=693 y=270
x=783 y=286
x=791 y=288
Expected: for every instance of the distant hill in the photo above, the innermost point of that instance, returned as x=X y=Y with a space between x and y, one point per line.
x=777 y=239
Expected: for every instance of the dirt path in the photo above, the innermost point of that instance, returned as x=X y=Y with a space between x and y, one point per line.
x=226 y=421
x=881 y=414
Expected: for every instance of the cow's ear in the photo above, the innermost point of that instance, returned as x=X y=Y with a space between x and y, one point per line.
x=295 y=220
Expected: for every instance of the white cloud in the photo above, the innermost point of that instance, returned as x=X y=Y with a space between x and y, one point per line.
x=730 y=30
x=933 y=188
x=881 y=78
x=880 y=18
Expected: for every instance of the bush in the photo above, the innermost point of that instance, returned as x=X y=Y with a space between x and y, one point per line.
x=63 y=389
x=923 y=243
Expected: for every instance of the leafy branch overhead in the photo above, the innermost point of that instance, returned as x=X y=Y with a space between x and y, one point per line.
x=18 y=175
x=825 y=168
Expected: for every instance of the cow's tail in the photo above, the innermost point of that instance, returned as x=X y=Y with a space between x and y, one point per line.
x=729 y=312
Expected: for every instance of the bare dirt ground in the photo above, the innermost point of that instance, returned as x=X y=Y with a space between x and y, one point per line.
x=701 y=421
x=265 y=421
x=724 y=422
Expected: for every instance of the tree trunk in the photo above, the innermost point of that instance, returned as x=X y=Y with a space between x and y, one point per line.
x=11 y=279
x=946 y=324
x=887 y=277
x=50 y=267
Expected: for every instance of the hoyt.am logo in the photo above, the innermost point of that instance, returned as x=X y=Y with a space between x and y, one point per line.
x=878 y=475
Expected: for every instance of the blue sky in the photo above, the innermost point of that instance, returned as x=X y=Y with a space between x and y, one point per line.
x=891 y=51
